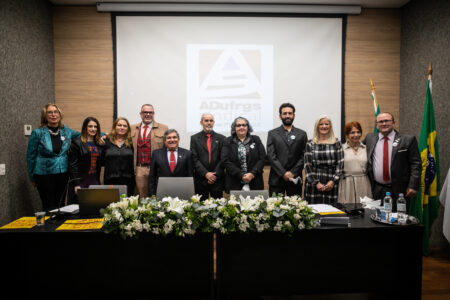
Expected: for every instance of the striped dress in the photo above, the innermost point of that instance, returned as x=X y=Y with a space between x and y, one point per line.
x=323 y=162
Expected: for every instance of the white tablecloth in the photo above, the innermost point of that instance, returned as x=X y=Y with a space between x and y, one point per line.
x=444 y=198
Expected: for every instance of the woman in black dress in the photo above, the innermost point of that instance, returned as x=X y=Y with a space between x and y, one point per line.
x=243 y=155
x=117 y=156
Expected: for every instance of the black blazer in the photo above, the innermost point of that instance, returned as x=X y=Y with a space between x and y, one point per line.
x=160 y=167
x=406 y=164
x=200 y=159
x=80 y=161
x=284 y=157
x=255 y=164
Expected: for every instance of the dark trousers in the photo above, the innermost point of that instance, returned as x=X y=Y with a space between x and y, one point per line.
x=51 y=189
x=129 y=182
x=213 y=194
x=287 y=187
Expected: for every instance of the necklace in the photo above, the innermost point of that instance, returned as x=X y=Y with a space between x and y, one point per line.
x=53 y=133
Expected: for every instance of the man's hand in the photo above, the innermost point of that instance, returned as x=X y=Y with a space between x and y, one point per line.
x=247 y=177
x=410 y=193
x=211 y=177
x=287 y=176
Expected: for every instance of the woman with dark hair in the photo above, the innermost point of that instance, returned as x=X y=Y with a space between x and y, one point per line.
x=243 y=155
x=354 y=177
x=324 y=161
x=47 y=160
x=117 y=156
x=84 y=156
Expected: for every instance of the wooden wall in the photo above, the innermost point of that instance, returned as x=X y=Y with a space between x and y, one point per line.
x=84 y=74
x=372 y=51
x=84 y=64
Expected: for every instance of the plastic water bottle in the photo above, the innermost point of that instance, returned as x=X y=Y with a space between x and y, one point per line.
x=387 y=207
x=401 y=209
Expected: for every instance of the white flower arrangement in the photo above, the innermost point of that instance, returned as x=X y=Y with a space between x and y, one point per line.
x=179 y=217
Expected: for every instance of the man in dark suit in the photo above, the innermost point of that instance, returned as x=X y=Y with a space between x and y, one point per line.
x=394 y=163
x=206 y=147
x=170 y=161
x=285 y=149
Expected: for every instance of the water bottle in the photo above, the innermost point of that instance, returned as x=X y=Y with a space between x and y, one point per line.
x=387 y=207
x=401 y=209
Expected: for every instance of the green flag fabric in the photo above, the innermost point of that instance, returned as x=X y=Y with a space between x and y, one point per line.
x=424 y=205
x=376 y=108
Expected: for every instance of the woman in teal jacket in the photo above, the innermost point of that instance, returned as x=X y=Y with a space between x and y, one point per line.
x=47 y=159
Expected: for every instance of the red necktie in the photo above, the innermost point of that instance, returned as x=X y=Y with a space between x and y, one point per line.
x=386 y=160
x=173 y=162
x=145 y=132
x=208 y=145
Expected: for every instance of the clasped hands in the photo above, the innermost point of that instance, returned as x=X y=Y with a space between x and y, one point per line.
x=325 y=187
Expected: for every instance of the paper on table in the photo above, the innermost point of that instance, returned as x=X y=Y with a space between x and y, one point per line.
x=325 y=209
x=24 y=222
x=370 y=203
x=82 y=224
x=71 y=209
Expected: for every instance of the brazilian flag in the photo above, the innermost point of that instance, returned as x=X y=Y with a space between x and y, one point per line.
x=425 y=206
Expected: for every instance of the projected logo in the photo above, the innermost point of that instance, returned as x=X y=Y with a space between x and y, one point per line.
x=230 y=81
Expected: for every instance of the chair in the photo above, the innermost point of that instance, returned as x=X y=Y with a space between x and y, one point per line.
x=181 y=187
x=252 y=194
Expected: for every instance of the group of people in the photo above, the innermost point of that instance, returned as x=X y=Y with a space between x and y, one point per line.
x=137 y=155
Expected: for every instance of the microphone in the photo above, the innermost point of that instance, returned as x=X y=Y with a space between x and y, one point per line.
x=353 y=208
x=57 y=213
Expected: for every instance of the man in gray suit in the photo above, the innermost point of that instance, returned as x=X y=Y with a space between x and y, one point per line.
x=394 y=163
x=285 y=149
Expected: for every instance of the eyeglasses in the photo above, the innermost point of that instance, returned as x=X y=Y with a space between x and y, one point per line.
x=241 y=125
x=384 y=121
x=147 y=112
x=52 y=112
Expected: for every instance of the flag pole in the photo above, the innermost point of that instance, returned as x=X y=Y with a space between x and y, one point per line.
x=376 y=107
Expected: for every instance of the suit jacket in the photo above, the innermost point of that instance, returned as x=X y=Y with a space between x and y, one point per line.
x=156 y=137
x=406 y=164
x=41 y=159
x=160 y=167
x=200 y=159
x=80 y=161
x=284 y=157
x=255 y=164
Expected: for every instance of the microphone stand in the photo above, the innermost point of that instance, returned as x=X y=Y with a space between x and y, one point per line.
x=58 y=214
x=353 y=208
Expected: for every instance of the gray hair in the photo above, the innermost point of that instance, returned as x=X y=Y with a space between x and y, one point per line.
x=169 y=131
x=147 y=105
x=206 y=114
x=233 y=125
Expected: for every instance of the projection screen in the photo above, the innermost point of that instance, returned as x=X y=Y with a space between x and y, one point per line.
x=229 y=66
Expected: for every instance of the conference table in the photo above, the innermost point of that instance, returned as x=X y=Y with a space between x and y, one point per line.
x=365 y=257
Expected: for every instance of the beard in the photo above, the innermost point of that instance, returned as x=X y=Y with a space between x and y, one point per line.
x=287 y=121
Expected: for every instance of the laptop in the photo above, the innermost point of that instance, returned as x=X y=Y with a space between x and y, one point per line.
x=91 y=200
x=181 y=187
x=252 y=194
x=122 y=188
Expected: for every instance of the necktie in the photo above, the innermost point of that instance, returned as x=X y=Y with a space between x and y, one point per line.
x=386 y=160
x=145 y=132
x=172 y=162
x=208 y=145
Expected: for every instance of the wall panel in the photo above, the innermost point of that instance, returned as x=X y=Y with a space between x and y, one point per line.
x=84 y=79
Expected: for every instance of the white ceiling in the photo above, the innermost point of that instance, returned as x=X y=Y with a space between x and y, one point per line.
x=363 y=3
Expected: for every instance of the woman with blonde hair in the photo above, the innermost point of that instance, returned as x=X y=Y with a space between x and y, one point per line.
x=324 y=162
x=47 y=159
x=117 y=156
